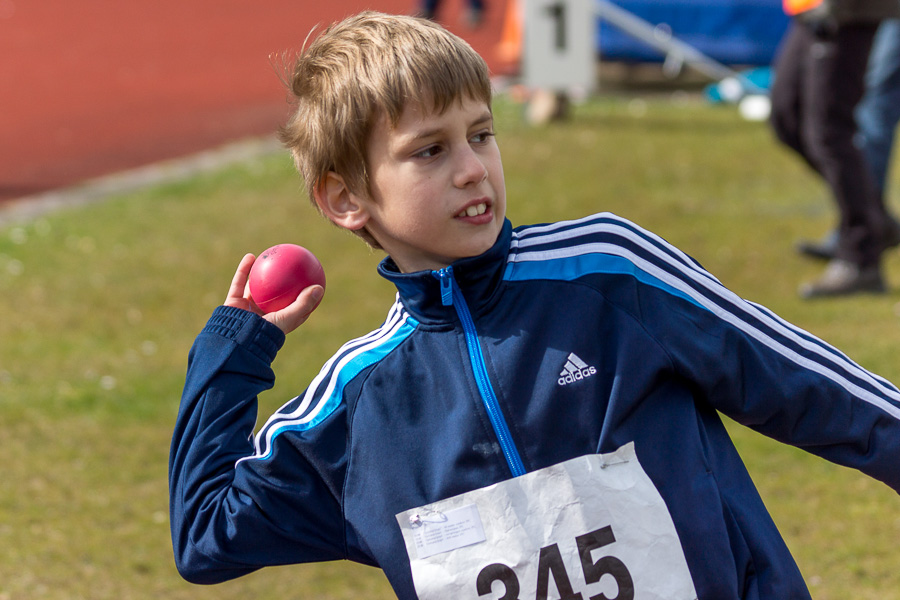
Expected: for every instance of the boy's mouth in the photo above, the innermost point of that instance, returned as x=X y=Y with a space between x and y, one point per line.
x=473 y=210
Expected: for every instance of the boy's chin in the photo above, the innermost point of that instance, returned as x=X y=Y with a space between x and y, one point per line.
x=479 y=249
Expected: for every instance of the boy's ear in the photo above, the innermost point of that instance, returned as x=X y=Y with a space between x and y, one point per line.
x=343 y=207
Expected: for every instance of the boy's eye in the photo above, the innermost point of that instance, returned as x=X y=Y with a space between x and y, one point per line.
x=428 y=152
x=482 y=137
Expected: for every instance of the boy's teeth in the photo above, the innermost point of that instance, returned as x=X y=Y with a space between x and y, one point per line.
x=474 y=210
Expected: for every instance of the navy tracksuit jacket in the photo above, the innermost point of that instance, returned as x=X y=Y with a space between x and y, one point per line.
x=562 y=340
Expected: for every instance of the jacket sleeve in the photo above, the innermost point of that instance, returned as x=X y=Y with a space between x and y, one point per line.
x=230 y=515
x=774 y=377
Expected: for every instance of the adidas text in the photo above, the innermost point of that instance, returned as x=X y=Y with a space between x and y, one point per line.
x=575 y=370
x=577 y=376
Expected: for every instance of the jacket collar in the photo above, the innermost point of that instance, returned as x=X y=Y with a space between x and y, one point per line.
x=478 y=278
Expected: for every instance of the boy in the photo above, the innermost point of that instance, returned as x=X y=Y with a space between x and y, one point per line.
x=539 y=410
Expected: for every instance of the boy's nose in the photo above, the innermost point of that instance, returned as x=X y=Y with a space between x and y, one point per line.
x=471 y=170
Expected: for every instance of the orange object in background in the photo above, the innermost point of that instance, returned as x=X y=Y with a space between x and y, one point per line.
x=509 y=48
x=795 y=7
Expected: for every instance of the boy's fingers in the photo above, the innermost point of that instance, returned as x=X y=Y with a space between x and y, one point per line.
x=293 y=316
x=238 y=290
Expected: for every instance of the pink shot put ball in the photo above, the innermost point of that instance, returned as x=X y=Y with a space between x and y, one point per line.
x=281 y=273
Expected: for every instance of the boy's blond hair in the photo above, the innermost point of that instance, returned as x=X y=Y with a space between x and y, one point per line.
x=360 y=69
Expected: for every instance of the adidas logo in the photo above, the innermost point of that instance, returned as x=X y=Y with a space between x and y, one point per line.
x=575 y=370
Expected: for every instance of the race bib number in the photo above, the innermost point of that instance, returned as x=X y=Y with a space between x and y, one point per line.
x=591 y=528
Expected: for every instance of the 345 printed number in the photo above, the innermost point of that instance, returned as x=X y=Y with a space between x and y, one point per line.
x=551 y=565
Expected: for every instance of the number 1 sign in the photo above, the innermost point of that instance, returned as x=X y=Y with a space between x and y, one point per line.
x=559 y=44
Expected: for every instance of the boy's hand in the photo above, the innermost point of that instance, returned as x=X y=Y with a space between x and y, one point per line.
x=287 y=319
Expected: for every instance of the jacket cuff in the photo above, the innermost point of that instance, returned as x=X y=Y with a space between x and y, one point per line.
x=246 y=329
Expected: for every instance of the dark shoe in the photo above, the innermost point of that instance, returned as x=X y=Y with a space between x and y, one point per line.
x=824 y=249
x=843 y=278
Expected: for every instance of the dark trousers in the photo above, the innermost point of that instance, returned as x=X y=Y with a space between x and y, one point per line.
x=819 y=80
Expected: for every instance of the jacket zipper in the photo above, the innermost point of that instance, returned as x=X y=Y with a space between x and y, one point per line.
x=452 y=295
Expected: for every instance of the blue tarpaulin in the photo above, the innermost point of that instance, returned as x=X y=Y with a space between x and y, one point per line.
x=732 y=32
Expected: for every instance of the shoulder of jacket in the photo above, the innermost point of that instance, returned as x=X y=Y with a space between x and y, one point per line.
x=595 y=240
x=326 y=391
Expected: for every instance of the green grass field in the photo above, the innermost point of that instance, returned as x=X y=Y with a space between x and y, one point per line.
x=101 y=303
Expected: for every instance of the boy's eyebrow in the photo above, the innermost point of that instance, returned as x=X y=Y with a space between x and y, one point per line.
x=487 y=115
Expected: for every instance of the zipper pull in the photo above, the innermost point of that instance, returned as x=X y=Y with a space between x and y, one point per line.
x=445 y=277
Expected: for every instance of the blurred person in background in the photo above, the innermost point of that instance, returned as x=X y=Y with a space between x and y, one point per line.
x=877 y=116
x=819 y=81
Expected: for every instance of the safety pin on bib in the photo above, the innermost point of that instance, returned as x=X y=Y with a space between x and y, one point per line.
x=605 y=464
x=432 y=517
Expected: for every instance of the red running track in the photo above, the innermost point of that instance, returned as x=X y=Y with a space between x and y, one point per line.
x=92 y=87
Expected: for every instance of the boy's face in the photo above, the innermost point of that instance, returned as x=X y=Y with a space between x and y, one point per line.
x=437 y=185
